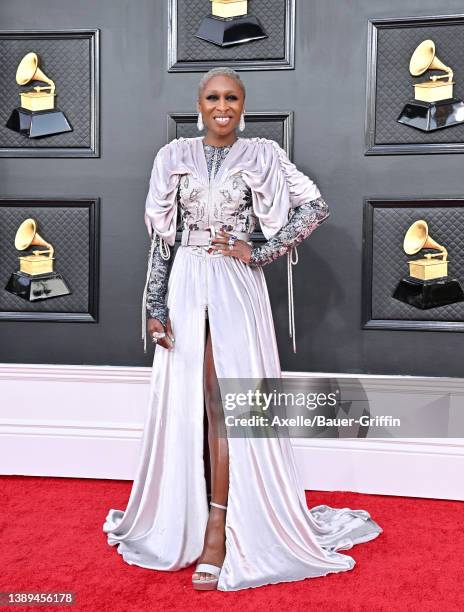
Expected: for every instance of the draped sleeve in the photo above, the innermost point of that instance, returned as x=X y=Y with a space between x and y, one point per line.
x=161 y=204
x=276 y=185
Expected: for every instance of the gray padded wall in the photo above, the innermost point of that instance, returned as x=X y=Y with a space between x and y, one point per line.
x=327 y=92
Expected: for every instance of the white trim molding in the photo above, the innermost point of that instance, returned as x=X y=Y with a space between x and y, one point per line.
x=87 y=422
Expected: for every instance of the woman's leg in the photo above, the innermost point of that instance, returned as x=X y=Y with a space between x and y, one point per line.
x=206 y=459
x=214 y=545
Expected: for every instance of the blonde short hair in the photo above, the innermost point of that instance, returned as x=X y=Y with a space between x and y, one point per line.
x=224 y=71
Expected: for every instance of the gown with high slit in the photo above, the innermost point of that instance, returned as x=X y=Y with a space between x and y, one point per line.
x=271 y=535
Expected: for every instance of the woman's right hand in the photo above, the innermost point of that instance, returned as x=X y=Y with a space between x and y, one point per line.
x=155 y=325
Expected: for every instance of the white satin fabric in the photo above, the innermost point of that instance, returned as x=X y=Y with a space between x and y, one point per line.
x=271 y=536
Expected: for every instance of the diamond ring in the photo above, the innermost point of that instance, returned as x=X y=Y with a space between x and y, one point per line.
x=157 y=335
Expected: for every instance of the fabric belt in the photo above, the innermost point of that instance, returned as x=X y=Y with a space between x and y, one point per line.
x=204 y=237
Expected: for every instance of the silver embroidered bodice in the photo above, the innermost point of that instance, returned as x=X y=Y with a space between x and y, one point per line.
x=228 y=216
x=231 y=209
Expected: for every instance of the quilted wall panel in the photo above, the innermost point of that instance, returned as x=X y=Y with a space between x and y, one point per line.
x=389 y=261
x=189 y=53
x=68 y=230
x=395 y=83
x=66 y=60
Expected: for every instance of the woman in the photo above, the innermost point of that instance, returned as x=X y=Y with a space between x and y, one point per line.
x=210 y=315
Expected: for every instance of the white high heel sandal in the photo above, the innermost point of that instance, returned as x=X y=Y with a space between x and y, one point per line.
x=208 y=584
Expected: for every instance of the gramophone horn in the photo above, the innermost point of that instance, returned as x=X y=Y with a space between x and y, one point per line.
x=27 y=236
x=28 y=70
x=424 y=58
x=417 y=238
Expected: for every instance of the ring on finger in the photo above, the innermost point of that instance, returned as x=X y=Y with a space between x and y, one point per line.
x=157 y=335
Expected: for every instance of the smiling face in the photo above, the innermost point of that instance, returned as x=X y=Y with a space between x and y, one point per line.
x=221 y=104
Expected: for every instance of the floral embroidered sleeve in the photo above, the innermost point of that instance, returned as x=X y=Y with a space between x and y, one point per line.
x=158 y=284
x=303 y=220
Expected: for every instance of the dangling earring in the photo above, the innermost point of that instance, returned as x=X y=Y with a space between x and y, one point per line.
x=200 y=125
x=241 y=125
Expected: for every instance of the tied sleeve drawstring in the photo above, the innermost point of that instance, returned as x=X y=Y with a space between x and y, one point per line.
x=165 y=254
x=164 y=249
x=291 y=309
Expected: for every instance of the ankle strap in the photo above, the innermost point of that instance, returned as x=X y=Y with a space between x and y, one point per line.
x=218 y=505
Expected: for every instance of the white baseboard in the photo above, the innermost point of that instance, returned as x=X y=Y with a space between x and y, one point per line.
x=87 y=421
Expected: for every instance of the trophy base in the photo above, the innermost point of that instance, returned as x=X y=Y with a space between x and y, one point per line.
x=38 y=287
x=225 y=32
x=429 y=294
x=37 y=124
x=430 y=116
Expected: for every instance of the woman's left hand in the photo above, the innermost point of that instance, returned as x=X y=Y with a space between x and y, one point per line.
x=240 y=248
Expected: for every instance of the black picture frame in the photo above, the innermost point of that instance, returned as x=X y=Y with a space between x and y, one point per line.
x=92 y=207
x=92 y=149
x=368 y=321
x=176 y=120
x=372 y=144
x=198 y=65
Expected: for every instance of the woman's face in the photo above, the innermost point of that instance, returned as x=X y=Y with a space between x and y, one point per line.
x=221 y=104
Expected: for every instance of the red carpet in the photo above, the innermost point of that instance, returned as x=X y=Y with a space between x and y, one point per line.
x=52 y=541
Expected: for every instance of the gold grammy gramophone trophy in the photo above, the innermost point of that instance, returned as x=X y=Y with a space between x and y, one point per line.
x=434 y=106
x=428 y=284
x=37 y=115
x=230 y=24
x=35 y=279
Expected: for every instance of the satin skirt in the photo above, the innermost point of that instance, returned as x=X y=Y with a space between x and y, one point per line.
x=271 y=535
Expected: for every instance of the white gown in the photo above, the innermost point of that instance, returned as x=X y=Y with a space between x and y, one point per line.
x=271 y=535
